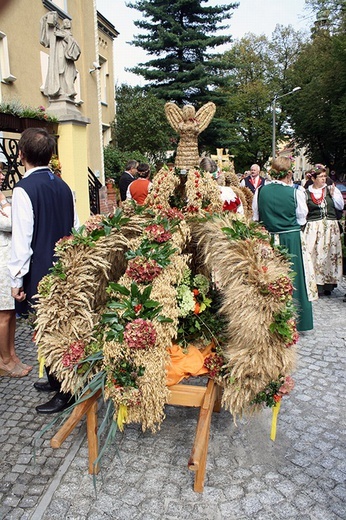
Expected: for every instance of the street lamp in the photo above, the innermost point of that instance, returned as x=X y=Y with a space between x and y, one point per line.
x=276 y=97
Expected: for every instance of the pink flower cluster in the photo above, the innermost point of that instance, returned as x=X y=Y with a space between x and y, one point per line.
x=142 y=270
x=214 y=364
x=64 y=240
x=140 y=334
x=286 y=387
x=281 y=288
x=157 y=233
x=94 y=222
x=74 y=354
x=173 y=213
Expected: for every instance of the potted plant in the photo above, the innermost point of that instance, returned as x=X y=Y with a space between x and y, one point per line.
x=15 y=117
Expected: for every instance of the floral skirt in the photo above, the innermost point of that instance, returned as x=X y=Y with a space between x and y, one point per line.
x=6 y=300
x=322 y=239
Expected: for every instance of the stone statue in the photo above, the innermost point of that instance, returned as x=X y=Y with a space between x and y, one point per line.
x=64 y=51
x=189 y=124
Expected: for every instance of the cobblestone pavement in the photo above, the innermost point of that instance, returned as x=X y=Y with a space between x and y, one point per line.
x=145 y=477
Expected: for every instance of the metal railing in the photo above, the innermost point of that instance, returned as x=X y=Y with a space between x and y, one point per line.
x=94 y=188
x=14 y=168
x=15 y=171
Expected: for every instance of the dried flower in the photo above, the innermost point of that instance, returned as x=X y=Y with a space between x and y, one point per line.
x=94 y=222
x=215 y=364
x=287 y=386
x=140 y=334
x=157 y=233
x=142 y=270
x=74 y=354
x=274 y=391
x=282 y=288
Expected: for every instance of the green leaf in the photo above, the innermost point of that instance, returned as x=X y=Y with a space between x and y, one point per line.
x=119 y=288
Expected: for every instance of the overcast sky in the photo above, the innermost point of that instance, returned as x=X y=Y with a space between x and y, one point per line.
x=257 y=16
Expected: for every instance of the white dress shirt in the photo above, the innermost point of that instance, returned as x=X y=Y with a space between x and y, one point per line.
x=22 y=231
x=301 y=207
x=337 y=196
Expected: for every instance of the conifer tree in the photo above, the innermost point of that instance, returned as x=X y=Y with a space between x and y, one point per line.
x=180 y=35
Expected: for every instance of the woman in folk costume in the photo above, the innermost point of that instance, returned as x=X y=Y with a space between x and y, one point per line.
x=322 y=233
x=283 y=211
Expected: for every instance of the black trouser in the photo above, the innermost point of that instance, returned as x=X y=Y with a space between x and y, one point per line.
x=56 y=386
x=54 y=383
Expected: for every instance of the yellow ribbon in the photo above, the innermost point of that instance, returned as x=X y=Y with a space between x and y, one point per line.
x=122 y=416
x=41 y=361
x=276 y=410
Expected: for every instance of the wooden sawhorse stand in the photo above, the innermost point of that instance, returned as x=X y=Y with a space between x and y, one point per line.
x=207 y=398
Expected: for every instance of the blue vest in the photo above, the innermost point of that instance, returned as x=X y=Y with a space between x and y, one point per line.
x=52 y=204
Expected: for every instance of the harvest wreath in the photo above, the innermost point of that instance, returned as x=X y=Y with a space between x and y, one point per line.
x=126 y=286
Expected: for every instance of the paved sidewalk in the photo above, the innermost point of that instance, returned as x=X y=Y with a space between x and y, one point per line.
x=145 y=477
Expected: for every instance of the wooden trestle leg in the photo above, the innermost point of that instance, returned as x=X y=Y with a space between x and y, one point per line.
x=208 y=399
x=88 y=408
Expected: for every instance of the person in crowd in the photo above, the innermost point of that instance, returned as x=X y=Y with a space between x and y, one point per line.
x=283 y=210
x=128 y=176
x=139 y=189
x=322 y=233
x=305 y=183
x=254 y=180
x=231 y=201
x=10 y=364
x=43 y=211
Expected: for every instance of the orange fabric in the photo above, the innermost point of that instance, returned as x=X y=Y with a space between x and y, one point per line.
x=186 y=363
x=139 y=190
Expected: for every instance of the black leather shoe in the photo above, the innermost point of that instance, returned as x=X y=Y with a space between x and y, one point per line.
x=58 y=403
x=44 y=386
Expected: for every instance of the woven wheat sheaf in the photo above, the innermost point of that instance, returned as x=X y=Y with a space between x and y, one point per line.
x=255 y=355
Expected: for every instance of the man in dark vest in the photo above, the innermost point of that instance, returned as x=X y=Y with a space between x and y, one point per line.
x=254 y=180
x=43 y=211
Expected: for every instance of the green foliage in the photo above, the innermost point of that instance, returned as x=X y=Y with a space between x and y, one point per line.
x=198 y=304
x=126 y=305
x=267 y=395
x=115 y=160
x=245 y=230
x=126 y=374
x=141 y=123
x=282 y=324
x=58 y=270
x=206 y=326
x=256 y=70
x=161 y=253
x=318 y=114
x=15 y=108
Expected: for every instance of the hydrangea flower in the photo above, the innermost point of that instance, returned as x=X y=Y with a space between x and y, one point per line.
x=157 y=233
x=186 y=300
x=74 y=354
x=140 y=334
x=142 y=270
